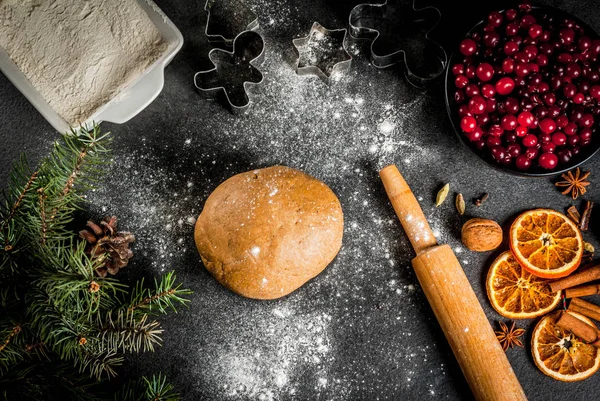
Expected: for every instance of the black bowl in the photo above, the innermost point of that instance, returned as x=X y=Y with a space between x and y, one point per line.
x=535 y=171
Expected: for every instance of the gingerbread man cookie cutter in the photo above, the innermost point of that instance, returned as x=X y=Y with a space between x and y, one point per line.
x=400 y=34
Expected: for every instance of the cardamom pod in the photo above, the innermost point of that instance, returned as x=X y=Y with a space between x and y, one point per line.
x=441 y=195
x=460 y=204
x=588 y=247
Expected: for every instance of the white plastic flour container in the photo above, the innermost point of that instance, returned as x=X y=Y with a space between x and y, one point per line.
x=131 y=100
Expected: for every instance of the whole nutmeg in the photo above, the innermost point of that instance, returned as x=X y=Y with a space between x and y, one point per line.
x=481 y=235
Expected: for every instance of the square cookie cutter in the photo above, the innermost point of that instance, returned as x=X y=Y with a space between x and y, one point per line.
x=233 y=72
x=400 y=33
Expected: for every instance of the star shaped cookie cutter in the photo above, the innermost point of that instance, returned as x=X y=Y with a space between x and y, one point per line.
x=233 y=72
x=322 y=53
x=226 y=19
x=400 y=33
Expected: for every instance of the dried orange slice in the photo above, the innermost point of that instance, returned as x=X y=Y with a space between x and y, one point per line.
x=560 y=354
x=517 y=294
x=546 y=243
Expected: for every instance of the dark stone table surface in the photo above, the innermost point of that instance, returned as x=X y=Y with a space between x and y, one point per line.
x=362 y=330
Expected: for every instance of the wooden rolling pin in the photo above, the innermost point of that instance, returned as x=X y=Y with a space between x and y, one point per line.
x=453 y=301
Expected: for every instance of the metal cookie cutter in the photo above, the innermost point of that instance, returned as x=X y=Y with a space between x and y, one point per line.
x=227 y=19
x=400 y=33
x=322 y=53
x=233 y=72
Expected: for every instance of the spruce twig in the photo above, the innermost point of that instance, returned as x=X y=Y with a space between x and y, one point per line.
x=73 y=326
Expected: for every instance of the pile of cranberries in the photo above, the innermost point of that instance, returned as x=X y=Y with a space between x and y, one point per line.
x=527 y=88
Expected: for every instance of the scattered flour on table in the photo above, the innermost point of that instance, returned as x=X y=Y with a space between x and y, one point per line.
x=342 y=134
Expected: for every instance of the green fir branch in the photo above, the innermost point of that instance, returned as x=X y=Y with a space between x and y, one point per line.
x=123 y=330
x=165 y=296
x=63 y=329
x=154 y=388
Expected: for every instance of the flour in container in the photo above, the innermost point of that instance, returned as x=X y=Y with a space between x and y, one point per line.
x=79 y=54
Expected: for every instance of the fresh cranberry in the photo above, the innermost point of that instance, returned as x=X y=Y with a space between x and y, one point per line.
x=595 y=91
x=496 y=130
x=470 y=71
x=584 y=43
x=585 y=134
x=575 y=150
x=512 y=29
x=522 y=69
x=492 y=141
x=510 y=48
x=548 y=161
x=573 y=70
x=511 y=14
x=547 y=125
x=541 y=60
x=549 y=98
x=468 y=47
x=458 y=69
x=541 y=112
x=482 y=119
x=573 y=140
x=569 y=90
x=570 y=129
x=498 y=153
x=505 y=85
x=546 y=49
x=509 y=122
x=564 y=156
x=530 y=140
x=587 y=120
x=579 y=98
x=527 y=20
x=508 y=65
x=548 y=147
x=553 y=111
x=475 y=135
x=521 y=57
x=488 y=90
x=477 y=105
x=485 y=72
x=471 y=90
x=491 y=106
x=463 y=110
x=468 y=124
x=531 y=152
x=491 y=39
x=514 y=149
x=535 y=30
x=543 y=138
x=562 y=121
x=511 y=105
x=495 y=19
x=564 y=58
x=461 y=81
x=566 y=36
x=543 y=87
x=559 y=139
x=525 y=119
x=521 y=131
x=523 y=162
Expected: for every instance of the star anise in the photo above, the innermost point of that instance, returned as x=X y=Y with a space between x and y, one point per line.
x=574 y=183
x=509 y=338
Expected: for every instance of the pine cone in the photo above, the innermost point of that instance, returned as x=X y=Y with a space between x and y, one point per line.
x=108 y=245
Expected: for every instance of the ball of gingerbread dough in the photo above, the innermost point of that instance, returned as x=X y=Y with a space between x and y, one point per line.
x=265 y=233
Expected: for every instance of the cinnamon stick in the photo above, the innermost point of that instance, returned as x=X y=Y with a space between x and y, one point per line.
x=582 y=291
x=591 y=274
x=585 y=216
x=585 y=308
x=581 y=329
x=574 y=214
